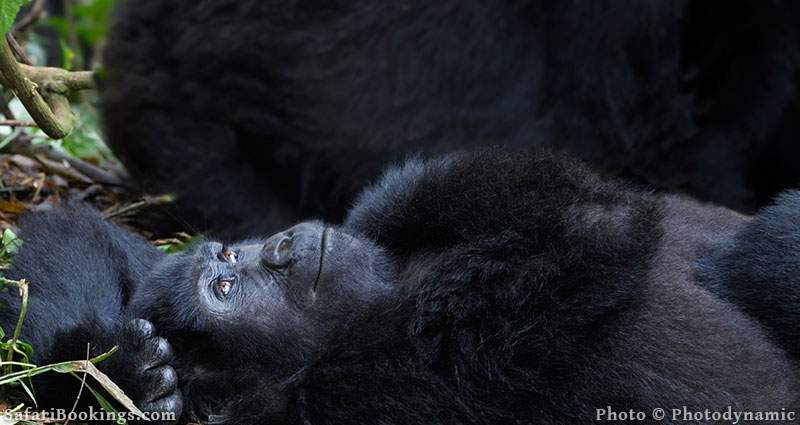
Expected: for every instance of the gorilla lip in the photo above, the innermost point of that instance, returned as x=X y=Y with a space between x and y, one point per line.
x=323 y=245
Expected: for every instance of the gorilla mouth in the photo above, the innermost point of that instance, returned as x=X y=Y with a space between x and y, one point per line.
x=323 y=247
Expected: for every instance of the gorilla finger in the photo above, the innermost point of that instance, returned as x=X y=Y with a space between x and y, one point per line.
x=160 y=353
x=164 y=380
x=142 y=328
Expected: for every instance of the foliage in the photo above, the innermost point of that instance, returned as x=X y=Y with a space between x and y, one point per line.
x=8 y=12
x=90 y=21
x=85 y=26
x=9 y=244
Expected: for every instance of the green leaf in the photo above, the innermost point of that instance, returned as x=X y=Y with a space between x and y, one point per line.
x=105 y=404
x=11 y=243
x=68 y=54
x=29 y=392
x=8 y=12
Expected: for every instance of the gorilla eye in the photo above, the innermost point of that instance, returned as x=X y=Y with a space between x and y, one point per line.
x=224 y=287
x=229 y=255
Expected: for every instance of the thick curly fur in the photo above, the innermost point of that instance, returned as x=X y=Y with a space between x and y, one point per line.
x=260 y=113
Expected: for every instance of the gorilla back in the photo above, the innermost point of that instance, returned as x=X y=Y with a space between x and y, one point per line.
x=262 y=113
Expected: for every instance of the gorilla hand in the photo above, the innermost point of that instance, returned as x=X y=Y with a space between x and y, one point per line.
x=149 y=357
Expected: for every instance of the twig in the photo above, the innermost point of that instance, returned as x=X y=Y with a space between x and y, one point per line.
x=25 y=22
x=17 y=123
x=23 y=291
x=95 y=173
x=80 y=390
x=19 y=52
x=138 y=205
x=39 y=185
x=111 y=388
x=86 y=172
x=62 y=168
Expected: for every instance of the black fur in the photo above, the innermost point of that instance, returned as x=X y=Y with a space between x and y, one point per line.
x=758 y=269
x=479 y=288
x=82 y=271
x=262 y=113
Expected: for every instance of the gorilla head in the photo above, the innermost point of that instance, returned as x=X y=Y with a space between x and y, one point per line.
x=262 y=307
x=306 y=281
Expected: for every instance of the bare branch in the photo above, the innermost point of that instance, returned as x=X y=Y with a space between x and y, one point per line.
x=19 y=52
x=59 y=163
x=56 y=79
x=57 y=121
x=138 y=205
x=17 y=123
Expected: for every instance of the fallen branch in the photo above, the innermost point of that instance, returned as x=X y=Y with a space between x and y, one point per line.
x=59 y=163
x=138 y=205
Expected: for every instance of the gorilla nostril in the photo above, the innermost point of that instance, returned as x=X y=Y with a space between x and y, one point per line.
x=284 y=247
x=277 y=250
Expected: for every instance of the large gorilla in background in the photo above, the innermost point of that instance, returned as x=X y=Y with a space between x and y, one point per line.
x=259 y=113
x=483 y=288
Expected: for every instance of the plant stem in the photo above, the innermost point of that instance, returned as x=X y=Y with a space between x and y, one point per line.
x=23 y=291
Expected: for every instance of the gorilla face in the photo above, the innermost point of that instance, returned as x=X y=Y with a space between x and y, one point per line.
x=259 y=296
x=258 y=311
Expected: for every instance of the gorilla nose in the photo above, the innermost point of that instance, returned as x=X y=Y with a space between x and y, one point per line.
x=302 y=240
x=277 y=251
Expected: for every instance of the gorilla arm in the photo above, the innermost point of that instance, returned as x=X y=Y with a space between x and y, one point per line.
x=81 y=271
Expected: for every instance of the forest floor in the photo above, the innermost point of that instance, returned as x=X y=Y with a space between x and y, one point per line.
x=34 y=182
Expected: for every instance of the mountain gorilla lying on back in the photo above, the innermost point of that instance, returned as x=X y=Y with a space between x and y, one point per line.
x=476 y=288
